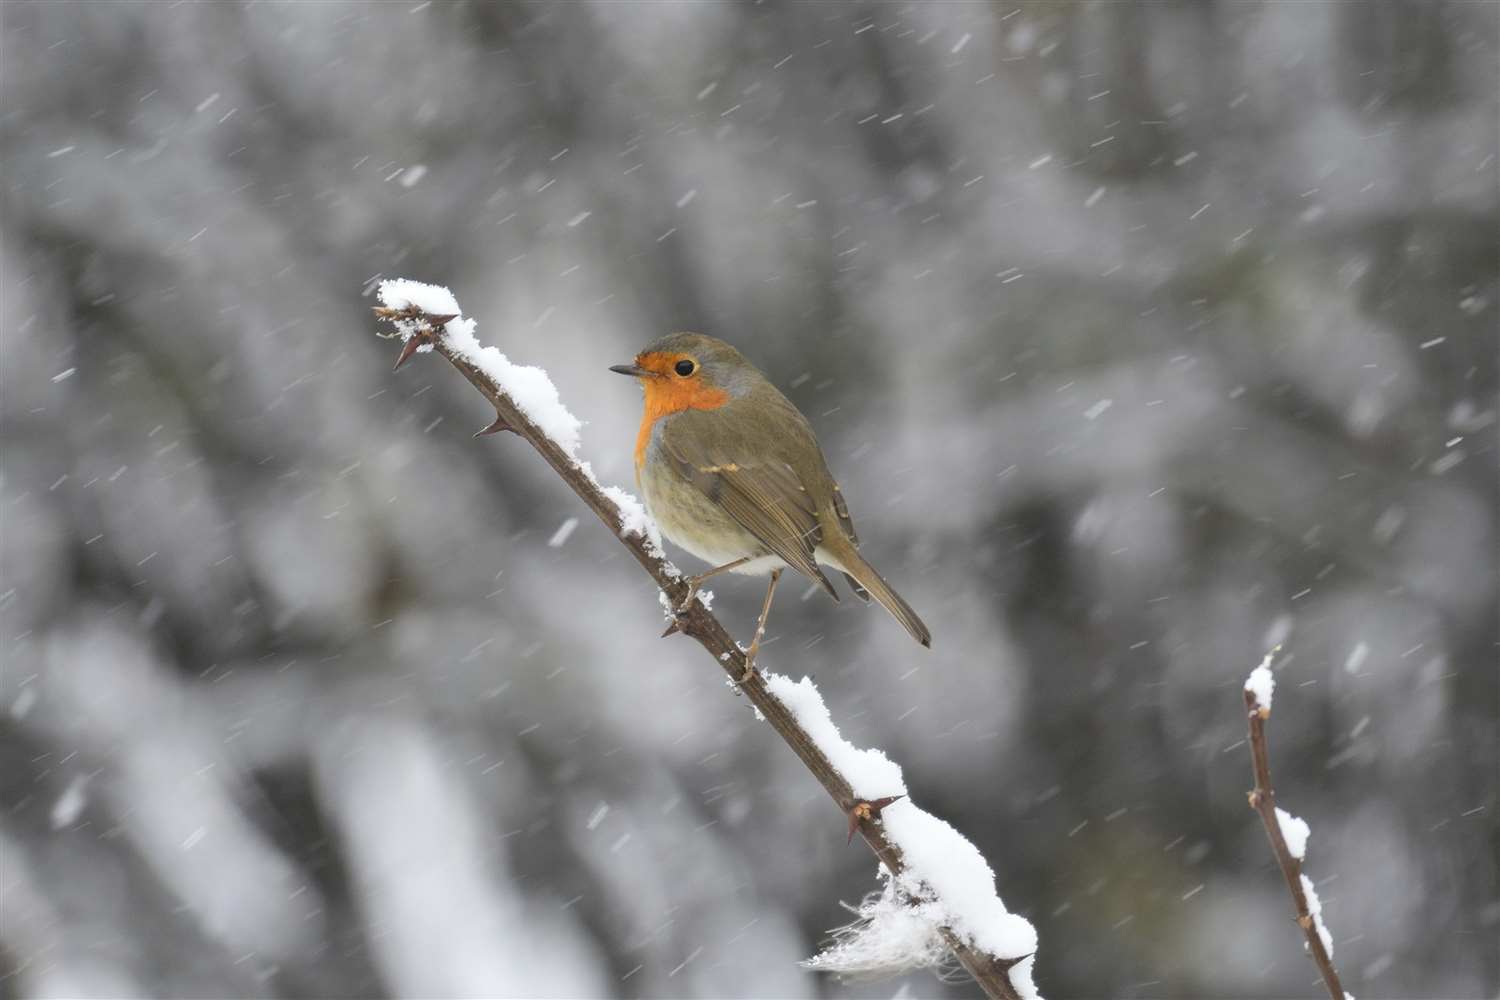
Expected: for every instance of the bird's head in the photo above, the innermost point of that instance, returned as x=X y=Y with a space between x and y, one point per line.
x=690 y=371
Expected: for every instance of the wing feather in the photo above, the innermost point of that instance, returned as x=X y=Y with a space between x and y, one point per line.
x=762 y=494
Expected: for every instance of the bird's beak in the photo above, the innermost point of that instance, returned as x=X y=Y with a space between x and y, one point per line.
x=635 y=370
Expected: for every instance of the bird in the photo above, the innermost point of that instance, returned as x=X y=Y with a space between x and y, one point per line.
x=731 y=471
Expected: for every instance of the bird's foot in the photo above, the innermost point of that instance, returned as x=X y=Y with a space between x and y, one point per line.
x=694 y=582
x=749 y=670
x=760 y=628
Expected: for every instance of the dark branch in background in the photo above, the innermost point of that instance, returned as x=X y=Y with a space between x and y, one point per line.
x=1263 y=801
x=989 y=971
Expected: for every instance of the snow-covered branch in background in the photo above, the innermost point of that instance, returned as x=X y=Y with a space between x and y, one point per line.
x=1287 y=833
x=939 y=893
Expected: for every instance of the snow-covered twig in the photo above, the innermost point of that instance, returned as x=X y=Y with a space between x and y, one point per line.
x=1287 y=833
x=941 y=877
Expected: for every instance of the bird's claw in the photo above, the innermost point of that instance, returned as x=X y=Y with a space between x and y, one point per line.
x=687 y=602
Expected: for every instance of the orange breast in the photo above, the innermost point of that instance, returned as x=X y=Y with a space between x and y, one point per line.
x=666 y=396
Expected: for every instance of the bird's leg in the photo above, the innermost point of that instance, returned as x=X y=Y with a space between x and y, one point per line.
x=694 y=582
x=760 y=628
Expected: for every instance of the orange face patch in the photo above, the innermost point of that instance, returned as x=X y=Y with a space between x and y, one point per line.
x=668 y=392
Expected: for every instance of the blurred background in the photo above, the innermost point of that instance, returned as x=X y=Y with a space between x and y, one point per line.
x=1142 y=337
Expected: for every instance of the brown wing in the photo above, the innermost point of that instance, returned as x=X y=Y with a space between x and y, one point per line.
x=762 y=494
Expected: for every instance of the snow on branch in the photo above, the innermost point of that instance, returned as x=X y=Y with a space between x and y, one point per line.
x=939 y=895
x=1287 y=833
x=946 y=883
x=428 y=318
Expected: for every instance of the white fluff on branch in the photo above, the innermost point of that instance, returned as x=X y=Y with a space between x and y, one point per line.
x=888 y=936
x=946 y=884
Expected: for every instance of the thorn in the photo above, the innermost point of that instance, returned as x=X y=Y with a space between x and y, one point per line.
x=408 y=349
x=496 y=427
x=866 y=810
x=673 y=628
x=1254 y=798
x=860 y=811
x=426 y=329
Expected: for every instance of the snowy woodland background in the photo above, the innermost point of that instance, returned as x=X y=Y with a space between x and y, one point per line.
x=1141 y=336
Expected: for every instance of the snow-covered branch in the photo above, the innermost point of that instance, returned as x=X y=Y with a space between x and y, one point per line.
x=940 y=889
x=1287 y=833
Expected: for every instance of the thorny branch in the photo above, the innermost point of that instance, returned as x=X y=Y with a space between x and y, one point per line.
x=1263 y=801
x=990 y=972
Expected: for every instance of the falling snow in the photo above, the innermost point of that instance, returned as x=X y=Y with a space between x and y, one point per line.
x=69 y=805
x=1138 y=341
x=563 y=533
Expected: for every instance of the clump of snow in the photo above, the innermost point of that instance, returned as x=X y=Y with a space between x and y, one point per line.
x=528 y=387
x=1262 y=683
x=870 y=773
x=1315 y=907
x=940 y=861
x=634 y=520
x=398 y=293
x=946 y=879
x=1294 y=831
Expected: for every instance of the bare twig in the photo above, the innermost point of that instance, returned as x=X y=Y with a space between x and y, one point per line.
x=1263 y=801
x=990 y=972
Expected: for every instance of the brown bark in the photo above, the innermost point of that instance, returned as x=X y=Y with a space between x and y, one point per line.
x=1263 y=801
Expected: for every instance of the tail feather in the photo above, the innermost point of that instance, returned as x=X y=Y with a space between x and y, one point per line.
x=862 y=577
x=858 y=588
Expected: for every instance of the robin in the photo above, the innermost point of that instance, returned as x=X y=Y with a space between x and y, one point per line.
x=730 y=470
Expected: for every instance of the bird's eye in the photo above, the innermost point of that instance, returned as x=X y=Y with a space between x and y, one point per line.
x=684 y=367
